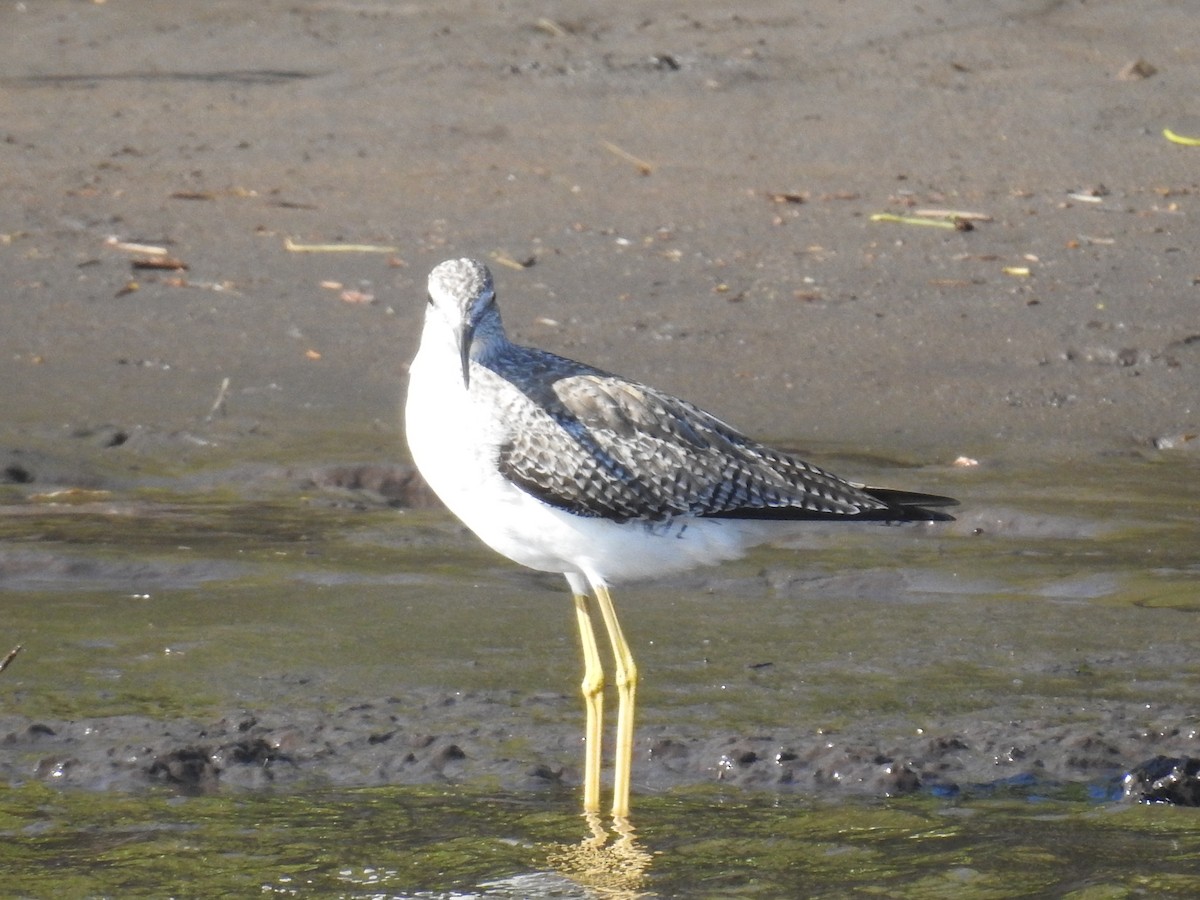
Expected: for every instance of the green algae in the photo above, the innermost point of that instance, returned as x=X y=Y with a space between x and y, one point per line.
x=405 y=842
x=1054 y=591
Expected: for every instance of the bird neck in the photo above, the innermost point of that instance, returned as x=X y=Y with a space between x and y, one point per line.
x=489 y=338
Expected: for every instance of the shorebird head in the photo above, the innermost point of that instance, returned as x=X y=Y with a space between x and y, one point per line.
x=461 y=295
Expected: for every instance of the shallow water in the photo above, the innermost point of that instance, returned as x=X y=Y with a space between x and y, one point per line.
x=411 y=842
x=1050 y=632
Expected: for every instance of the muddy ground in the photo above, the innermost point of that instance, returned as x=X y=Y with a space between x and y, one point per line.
x=218 y=222
x=450 y=738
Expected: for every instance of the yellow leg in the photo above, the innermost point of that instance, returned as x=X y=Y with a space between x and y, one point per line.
x=625 y=676
x=593 y=703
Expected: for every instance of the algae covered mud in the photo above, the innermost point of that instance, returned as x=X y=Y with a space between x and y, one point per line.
x=414 y=842
x=276 y=668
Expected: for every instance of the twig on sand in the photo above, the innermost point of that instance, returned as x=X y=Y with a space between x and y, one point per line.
x=913 y=220
x=1186 y=140
x=12 y=654
x=218 y=406
x=953 y=214
x=643 y=167
x=292 y=246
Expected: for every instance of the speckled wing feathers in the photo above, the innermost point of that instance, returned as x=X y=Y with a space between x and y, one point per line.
x=596 y=445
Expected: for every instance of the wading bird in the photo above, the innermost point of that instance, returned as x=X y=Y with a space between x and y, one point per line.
x=565 y=468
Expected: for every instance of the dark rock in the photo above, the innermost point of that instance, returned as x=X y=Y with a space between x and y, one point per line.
x=191 y=768
x=1165 y=779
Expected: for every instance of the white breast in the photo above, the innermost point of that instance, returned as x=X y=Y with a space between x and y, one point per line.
x=454 y=435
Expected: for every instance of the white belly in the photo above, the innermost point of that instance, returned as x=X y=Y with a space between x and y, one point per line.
x=454 y=437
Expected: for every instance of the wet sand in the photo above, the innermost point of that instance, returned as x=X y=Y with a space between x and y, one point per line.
x=675 y=192
x=218 y=136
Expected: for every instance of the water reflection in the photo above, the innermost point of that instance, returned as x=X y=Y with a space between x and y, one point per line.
x=613 y=864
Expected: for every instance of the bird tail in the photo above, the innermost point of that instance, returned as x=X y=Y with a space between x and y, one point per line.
x=909 y=506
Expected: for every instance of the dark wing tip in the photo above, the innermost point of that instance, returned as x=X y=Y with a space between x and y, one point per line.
x=910 y=506
x=899 y=506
